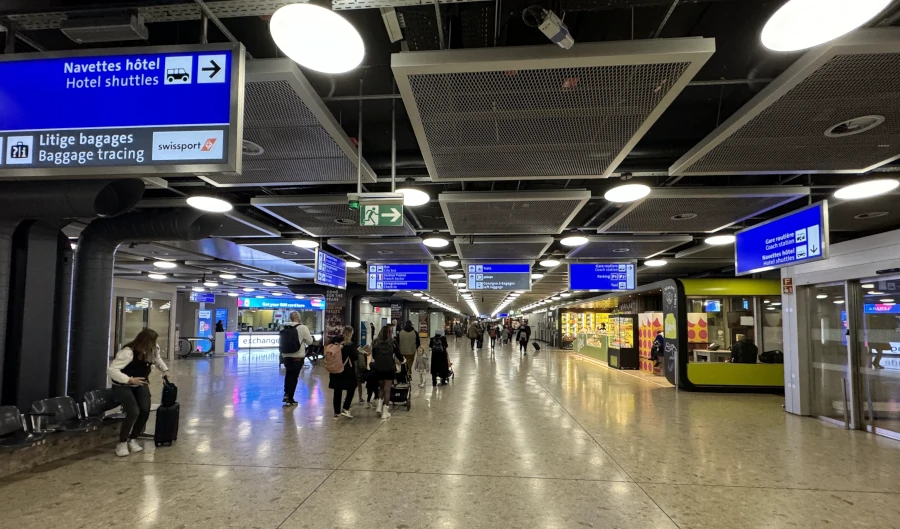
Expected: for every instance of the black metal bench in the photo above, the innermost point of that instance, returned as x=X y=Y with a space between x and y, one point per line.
x=62 y=415
x=100 y=401
x=13 y=431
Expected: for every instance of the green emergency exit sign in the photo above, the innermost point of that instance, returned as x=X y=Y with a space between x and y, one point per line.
x=381 y=215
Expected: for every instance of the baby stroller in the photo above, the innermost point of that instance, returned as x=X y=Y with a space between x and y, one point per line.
x=401 y=390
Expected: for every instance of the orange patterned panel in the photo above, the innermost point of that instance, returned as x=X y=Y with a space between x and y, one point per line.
x=698 y=327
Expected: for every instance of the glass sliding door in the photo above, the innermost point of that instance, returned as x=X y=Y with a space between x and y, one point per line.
x=829 y=352
x=878 y=339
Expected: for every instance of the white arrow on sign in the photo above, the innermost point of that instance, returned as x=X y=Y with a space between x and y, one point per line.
x=392 y=214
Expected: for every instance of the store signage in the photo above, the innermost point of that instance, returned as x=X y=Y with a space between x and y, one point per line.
x=399 y=277
x=509 y=276
x=381 y=215
x=278 y=303
x=222 y=315
x=881 y=308
x=331 y=271
x=203 y=297
x=231 y=342
x=257 y=340
x=129 y=111
x=204 y=323
x=798 y=237
x=602 y=276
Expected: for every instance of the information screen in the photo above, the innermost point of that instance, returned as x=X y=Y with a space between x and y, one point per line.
x=203 y=297
x=601 y=276
x=798 y=237
x=279 y=303
x=508 y=276
x=399 y=277
x=127 y=111
x=331 y=271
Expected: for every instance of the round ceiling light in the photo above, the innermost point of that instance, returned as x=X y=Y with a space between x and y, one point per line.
x=305 y=243
x=876 y=293
x=276 y=293
x=227 y=276
x=801 y=24
x=248 y=289
x=627 y=193
x=435 y=242
x=575 y=240
x=871 y=188
x=418 y=294
x=270 y=284
x=210 y=284
x=299 y=296
x=156 y=276
x=838 y=302
x=867 y=285
x=353 y=264
x=198 y=289
x=449 y=264
x=413 y=197
x=655 y=263
x=317 y=38
x=211 y=204
x=549 y=263
x=719 y=240
x=260 y=297
x=164 y=264
x=455 y=276
x=886 y=300
x=537 y=276
x=232 y=294
x=565 y=295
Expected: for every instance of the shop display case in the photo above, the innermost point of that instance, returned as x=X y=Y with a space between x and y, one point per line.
x=623 y=342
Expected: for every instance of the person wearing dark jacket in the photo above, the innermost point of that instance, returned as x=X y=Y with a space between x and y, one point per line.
x=440 y=361
x=744 y=351
x=658 y=348
x=345 y=380
x=219 y=326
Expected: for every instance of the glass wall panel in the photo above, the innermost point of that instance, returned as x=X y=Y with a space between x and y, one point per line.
x=828 y=349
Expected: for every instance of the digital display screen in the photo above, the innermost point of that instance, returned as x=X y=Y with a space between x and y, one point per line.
x=798 y=237
x=278 y=303
x=331 y=271
x=713 y=305
x=602 y=276
x=390 y=277
x=203 y=297
x=501 y=276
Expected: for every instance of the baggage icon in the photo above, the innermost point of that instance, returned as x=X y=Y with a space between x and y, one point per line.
x=18 y=151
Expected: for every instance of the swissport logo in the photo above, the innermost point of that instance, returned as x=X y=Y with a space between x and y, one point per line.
x=188 y=145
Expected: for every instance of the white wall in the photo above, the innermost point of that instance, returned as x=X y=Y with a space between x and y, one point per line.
x=857 y=259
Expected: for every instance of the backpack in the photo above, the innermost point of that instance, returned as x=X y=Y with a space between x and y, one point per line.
x=333 y=362
x=288 y=340
x=522 y=336
x=383 y=357
x=492 y=333
x=436 y=345
x=772 y=357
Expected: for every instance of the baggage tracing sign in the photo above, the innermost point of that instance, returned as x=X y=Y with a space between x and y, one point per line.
x=135 y=111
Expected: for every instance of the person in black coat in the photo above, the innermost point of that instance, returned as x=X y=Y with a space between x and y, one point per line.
x=345 y=380
x=440 y=361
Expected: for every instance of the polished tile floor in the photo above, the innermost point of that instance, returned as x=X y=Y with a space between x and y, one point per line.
x=548 y=441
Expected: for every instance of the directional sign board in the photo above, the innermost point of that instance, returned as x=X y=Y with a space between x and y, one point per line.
x=127 y=111
x=601 y=276
x=502 y=276
x=399 y=277
x=331 y=271
x=381 y=215
x=798 y=237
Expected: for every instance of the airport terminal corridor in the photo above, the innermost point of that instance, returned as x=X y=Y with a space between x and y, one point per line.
x=549 y=440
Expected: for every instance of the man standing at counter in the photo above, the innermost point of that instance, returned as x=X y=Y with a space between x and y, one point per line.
x=292 y=342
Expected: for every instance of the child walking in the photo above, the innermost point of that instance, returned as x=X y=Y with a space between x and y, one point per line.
x=421 y=365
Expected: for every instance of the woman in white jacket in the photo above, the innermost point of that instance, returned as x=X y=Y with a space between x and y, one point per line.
x=129 y=371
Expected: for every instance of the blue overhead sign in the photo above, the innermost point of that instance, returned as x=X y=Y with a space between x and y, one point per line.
x=131 y=111
x=798 y=237
x=331 y=271
x=602 y=276
x=398 y=277
x=203 y=297
x=503 y=276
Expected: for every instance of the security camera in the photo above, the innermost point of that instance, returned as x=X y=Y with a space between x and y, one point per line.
x=549 y=24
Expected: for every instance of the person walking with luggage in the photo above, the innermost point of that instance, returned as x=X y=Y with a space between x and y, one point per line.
x=522 y=338
x=440 y=361
x=340 y=360
x=492 y=333
x=362 y=369
x=129 y=371
x=472 y=333
x=383 y=360
x=292 y=342
x=408 y=341
x=421 y=365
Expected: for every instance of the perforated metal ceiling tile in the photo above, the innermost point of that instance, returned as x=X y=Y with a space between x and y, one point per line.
x=385 y=250
x=284 y=250
x=615 y=247
x=156 y=251
x=789 y=127
x=708 y=251
x=324 y=216
x=540 y=112
x=517 y=248
x=703 y=209
x=522 y=212
x=301 y=140
x=862 y=216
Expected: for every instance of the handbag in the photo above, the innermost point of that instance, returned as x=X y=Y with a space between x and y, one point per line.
x=169 y=393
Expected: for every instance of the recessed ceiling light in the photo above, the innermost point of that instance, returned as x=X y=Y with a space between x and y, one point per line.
x=554 y=298
x=520 y=291
x=574 y=240
x=537 y=276
x=449 y=264
x=720 y=240
x=418 y=295
x=867 y=285
x=463 y=290
x=565 y=295
x=248 y=289
x=455 y=276
x=838 y=302
x=317 y=38
x=232 y=294
x=871 y=188
x=777 y=304
x=435 y=242
x=211 y=204
x=345 y=222
x=770 y=308
x=802 y=24
x=156 y=276
x=353 y=264
x=198 y=289
x=413 y=197
x=549 y=263
x=210 y=284
x=299 y=296
x=276 y=293
x=621 y=250
x=260 y=297
x=822 y=296
x=627 y=193
x=227 y=276
x=655 y=263
x=164 y=264
x=74 y=246
x=886 y=300
x=514 y=295
x=305 y=243
x=270 y=284
x=876 y=293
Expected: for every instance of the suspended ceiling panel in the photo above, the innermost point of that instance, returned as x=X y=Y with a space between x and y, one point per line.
x=794 y=124
x=541 y=112
x=385 y=250
x=521 y=212
x=301 y=141
x=516 y=248
x=156 y=251
x=864 y=216
x=697 y=210
x=284 y=250
x=708 y=251
x=324 y=216
x=617 y=247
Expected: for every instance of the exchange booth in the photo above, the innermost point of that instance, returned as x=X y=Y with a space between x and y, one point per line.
x=260 y=319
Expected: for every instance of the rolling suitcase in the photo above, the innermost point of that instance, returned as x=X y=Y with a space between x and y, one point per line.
x=166 y=425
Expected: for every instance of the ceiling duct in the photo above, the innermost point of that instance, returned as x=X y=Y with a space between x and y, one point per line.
x=541 y=112
x=117 y=28
x=293 y=138
x=835 y=110
x=512 y=213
